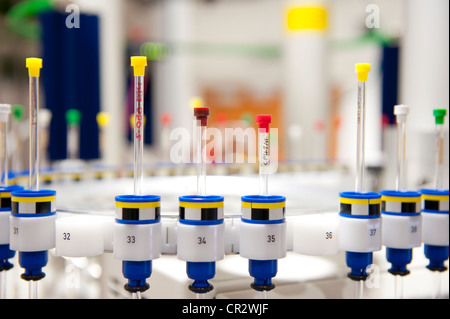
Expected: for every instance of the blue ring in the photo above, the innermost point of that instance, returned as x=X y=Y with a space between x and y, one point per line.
x=33 y=193
x=200 y=198
x=360 y=216
x=137 y=198
x=138 y=222
x=435 y=192
x=201 y=222
x=34 y=215
x=263 y=222
x=10 y=188
x=400 y=193
x=360 y=195
x=263 y=199
x=400 y=214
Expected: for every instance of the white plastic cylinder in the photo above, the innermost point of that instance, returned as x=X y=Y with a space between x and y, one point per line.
x=262 y=241
x=32 y=233
x=435 y=229
x=359 y=234
x=203 y=243
x=4 y=227
x=316 y=234
x=79 y=236
x=137 y=242
x=402 y=232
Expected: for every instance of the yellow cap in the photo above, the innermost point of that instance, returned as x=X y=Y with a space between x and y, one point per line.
x=102 y=119
x=196 y=102
x=363 y=70
x=139 y=63
x=34 y=66
x=306 y=18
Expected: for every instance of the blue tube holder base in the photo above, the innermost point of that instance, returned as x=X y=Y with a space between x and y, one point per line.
x=5 y=254
x=200 y=272
x=437 y=255
x=33 y=262
x=399 y=259
x=262 y=271
x=358 y=262
x=137 y=273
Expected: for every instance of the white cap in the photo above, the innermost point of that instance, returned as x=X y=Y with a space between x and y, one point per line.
x=45 y=116
x=401 y=112
x=5 y=109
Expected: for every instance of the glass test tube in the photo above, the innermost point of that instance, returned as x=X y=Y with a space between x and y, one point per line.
x=34 y=133
x=360 y=142
x=138 y=133
x=4 y=112
x=401 y=150
x=264 y=162
x=201 y=158
x=263 y=122
x=439 y=170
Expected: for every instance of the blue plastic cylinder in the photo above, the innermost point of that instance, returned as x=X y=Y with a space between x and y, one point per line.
x=201 y=272
x=358 y=262
x=33 y=262
x=437 y=255
x=262 y=271
x=399 y=259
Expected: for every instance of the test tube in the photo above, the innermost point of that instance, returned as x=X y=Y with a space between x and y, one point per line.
x=102 y=121
x=401 y=113
x=5 y=110
x=73 y=117
x=362 y=69
x=201 y=114
x=139 y=63
x=34 y=65
x=263 y=122
x=5 y=252
x=33 y=211
x=360 y=211
x=439 y=170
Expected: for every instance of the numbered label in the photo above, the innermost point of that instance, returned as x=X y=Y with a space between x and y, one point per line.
x=131 y=239
x=372 y=232
x=328 y=235
x=270 y=238
x=66 y=236
x=15 y=230
x=201 y=240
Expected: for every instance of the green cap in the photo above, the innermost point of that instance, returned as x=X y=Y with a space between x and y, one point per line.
x=17 y=111
x=73 y=116
x=439 y=114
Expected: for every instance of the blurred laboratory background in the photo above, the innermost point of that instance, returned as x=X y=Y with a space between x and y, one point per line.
x=240 y=58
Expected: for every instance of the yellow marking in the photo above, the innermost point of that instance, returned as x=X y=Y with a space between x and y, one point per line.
x=201 y=205
x=138 y=205
x=33 y=199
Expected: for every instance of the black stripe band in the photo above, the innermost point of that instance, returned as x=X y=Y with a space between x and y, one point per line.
x=5 y=202
x=373 y=209
x=260 y=214
x=39 y=208
x=205 y=213
x=409 y=208
x=431 y=204
x=133 y=213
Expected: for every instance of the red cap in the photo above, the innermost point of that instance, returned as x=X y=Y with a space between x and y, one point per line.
x=202 y=113
x=166 y=118
x=263 y=121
